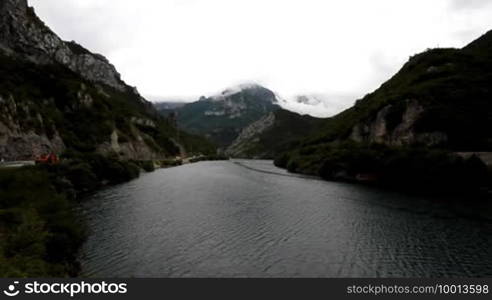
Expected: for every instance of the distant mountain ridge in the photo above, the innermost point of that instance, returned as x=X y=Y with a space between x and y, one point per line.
x=168 y=105
x=222 y=117
x=247 y=120
x=274 y=133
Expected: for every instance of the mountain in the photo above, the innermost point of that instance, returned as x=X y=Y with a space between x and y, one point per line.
x=25 y=35
x=56 y=96
x=168 y=109
x=160 y=106
x=441 y=100
x=222 y=117
x=308 y=100
x=272 y=134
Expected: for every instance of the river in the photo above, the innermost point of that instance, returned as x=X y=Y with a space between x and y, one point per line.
x=251 y=219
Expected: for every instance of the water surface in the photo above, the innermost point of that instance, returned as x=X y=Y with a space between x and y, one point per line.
x=251 y=219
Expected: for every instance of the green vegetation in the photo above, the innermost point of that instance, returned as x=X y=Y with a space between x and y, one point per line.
x=146 y=165
x=209 y=158
x=288 y=128
x=408 y=168
x=89 y=171
x=168 y=163
x=39 y=232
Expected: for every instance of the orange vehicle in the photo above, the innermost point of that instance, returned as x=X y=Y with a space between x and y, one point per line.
x=48 y=159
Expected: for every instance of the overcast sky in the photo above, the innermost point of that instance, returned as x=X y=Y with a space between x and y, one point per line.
x=181 y=49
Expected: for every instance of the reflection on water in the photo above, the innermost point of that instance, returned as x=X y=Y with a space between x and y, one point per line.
x=250 y=219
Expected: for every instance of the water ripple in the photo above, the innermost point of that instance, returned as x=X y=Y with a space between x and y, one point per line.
x=250 y=219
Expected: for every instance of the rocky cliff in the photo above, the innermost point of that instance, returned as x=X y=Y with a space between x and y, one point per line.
x=244 y=145
x=379 y=129
x=25 y=35
x=18 y=144
x=57 y=96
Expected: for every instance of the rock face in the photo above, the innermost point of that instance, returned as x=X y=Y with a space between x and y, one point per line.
x=18 y=144
x=57 y=96
x=23 y=33
x=135 y=149
x=403 y=133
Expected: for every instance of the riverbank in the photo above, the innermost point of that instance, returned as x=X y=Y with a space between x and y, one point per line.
x=414 y=170
x=40 y=235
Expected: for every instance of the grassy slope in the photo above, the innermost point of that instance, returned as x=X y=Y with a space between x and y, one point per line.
x=285 y=133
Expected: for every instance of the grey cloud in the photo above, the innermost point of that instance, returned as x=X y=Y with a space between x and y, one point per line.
x=466 y=36
x=469 y=4
x=381 y=64
x=383 y=68
x=87 y=27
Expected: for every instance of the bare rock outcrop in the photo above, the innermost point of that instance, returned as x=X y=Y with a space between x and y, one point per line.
x=249 y=136
x=23 y=33
x=20 y=143
x=403 y=133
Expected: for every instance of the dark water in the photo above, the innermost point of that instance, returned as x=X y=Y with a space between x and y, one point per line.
x=216 y=219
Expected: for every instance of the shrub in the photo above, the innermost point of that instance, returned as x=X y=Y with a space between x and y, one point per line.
x=40 y=234
x=146 y=165
x=413 y=169
x=282 y=160
x=82 y=177
x=91 y=170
